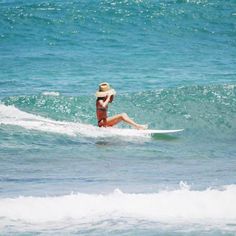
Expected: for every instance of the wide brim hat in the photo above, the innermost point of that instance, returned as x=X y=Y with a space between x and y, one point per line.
x=105 y=90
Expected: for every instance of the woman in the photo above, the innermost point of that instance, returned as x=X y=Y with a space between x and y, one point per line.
x=104 y=96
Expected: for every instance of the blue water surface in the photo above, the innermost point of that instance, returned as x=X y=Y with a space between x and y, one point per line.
x=173 y=66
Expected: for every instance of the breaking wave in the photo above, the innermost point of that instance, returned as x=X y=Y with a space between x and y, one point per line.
x=176 y=206
x=10 y=115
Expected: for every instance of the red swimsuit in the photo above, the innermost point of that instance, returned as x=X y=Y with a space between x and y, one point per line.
x=101 y=113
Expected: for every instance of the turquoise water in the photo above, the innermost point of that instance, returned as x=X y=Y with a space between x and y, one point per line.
x=173 y=66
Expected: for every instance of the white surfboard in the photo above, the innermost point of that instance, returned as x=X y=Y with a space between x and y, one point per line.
x=160 y=131
x=110 y=131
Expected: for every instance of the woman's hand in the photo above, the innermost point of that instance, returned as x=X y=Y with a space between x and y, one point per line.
x=111 y=98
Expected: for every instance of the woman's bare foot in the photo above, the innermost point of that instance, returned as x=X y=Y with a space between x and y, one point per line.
x=141 y=127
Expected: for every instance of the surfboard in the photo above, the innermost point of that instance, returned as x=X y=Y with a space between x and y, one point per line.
x=133 y=132
x=160 y=131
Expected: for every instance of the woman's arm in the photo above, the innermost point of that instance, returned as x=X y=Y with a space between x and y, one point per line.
x=105 y=103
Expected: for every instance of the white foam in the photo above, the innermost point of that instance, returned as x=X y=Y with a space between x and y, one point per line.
x=10 y=115
x=55 y=94
x=178 y=206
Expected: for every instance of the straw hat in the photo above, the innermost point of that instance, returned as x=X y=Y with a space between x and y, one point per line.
x=104 y=90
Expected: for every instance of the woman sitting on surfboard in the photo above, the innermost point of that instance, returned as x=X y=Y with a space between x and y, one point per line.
x=105 y=95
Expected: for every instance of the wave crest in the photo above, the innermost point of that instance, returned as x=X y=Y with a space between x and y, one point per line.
x=202 y=109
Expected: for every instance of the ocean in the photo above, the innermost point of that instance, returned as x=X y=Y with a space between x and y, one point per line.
x=173 y=66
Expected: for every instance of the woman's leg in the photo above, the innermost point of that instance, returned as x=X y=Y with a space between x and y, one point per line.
x=111 y=121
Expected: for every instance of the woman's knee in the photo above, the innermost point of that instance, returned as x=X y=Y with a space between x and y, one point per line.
x=123 y=115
